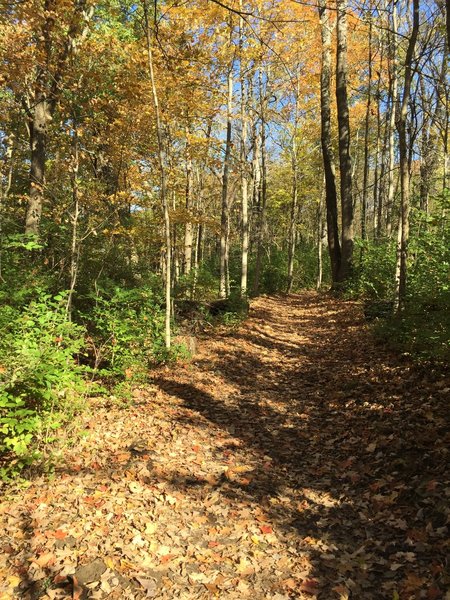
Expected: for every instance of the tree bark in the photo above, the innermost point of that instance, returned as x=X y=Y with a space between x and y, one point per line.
x=402 y=257
x=75 y=245
x=334 y=246
x=163 y=179
x=188 y=235
x=393 y=93
x=243 y=166
x=262 y=202
x=292 y=238
x=366 y=138
x=344 y=144
x=47 y=89
x=320 y=236
x=376 y=177
x=225 y=216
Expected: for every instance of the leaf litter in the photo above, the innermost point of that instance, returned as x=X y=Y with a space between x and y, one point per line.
x=293 y=457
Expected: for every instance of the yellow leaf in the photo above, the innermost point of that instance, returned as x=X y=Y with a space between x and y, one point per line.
x=150 y=528
x=241 y=469
x=126 y=565
x=14 y=581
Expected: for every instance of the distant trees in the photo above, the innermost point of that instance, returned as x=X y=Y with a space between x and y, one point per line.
x=205 y=155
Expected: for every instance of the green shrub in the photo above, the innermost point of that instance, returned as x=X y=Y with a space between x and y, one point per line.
x=374 y=271
x=125 y=332
x=423 y=327
x=40 y=381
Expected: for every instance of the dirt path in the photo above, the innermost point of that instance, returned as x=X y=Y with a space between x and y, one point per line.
x=293 y=458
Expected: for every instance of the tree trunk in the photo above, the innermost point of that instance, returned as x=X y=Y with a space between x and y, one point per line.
x=163 y=181
x=47 y=89
x=38 y=133
x=320 y=236
x=6 y=174
x=404 y=163
x=376 y=178
x=225 y=217
x=393 y=92
x=366 y=139
x=188 y=226
x=344 y=144
x=334 y=247
x=293 y=219
x=262 y=201
x=243 y=167
x=75 y=246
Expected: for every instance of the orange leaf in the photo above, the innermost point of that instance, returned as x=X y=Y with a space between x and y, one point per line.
x=167 y=558
x=266 y=529
x=59 y=534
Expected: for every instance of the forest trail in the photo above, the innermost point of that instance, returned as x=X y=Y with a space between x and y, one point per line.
x=292 y=458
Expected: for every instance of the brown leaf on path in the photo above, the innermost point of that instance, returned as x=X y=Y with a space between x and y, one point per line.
x=309 y=586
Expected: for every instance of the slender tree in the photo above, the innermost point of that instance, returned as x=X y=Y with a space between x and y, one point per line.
x=334 y=246
x=163 y=176
x=344 y=143
x=402 y=253
x=225 y=213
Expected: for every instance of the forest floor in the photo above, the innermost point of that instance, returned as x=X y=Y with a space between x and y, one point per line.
x=293 y=457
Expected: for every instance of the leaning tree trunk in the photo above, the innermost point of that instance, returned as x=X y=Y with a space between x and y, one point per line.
x=402 y=257
x=344 y=143
x=334 y=246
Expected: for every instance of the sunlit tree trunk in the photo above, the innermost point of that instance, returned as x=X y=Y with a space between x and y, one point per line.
x=293 y=217
x=243 y=167
x=6 y=174
x=262 y=192
x=188 y=234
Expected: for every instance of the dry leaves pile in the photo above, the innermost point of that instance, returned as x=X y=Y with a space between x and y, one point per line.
x=292 y=458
